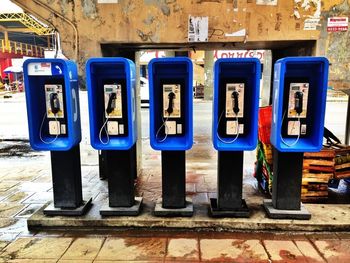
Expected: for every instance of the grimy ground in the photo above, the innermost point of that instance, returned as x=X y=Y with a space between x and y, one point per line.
x=25 y=186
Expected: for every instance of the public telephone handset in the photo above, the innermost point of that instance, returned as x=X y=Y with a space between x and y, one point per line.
x=54 y=112
x=54 y=103
x=298 y=107
x=171 y=97
x=297 y=111
x=113 y=112
x=171 y=116
x=234 y=109
x=172 y=101
x=235 y=97
x=111 y=103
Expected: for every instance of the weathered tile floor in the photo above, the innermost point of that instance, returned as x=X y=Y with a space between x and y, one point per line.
x=174 y=247
x=25 y=186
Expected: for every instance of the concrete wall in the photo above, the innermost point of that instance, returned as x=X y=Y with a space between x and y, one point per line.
x=84 y=25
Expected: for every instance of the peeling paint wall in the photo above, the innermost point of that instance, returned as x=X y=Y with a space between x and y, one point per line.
x=163 y=5
x=89 y=8
x=166 y=21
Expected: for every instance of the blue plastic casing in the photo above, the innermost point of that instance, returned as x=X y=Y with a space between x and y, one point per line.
x=315 y=70
x=119 y=69
x=247 y=70
x=37 y=73
x=171 y=69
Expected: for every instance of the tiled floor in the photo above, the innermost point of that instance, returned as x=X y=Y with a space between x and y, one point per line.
x=167 y=247
x=26 y=186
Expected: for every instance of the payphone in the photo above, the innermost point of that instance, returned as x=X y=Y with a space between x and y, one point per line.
x=52 y=99
x=55 y=113
x=171 y=129
x=235 y=116
x=299 y=101
x=294 y=120
x=236 y=83
x=113 y=124
x=171 y=98
x=171 y=112
x=232 y=114
x=111 y=93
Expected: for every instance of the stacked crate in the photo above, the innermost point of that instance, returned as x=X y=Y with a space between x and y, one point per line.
x=321 y=166
x=317 y=170
x=342 y=163
x=318 y=167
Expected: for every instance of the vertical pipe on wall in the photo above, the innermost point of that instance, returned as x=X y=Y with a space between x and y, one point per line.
x=208 y=74
x=138 y=114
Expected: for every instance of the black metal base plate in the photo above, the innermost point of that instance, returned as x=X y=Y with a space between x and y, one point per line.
x=242 y=212
x=51 y=210
x=274 y=213
x=134 y=210
x=173 y=212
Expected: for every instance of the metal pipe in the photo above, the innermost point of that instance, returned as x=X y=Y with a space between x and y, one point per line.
x=76 y=40
x=76 y=35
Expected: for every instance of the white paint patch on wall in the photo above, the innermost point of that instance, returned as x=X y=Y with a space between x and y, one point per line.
x=107 y=1
x=307 y=4
x=266 y=2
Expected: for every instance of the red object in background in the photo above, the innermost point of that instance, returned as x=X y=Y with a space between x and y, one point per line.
x=264 y=128
x=5 y=62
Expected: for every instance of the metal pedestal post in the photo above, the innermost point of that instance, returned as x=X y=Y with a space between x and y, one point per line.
x=102 y=161
x=134 y=160
x=230 y=179
x=121 y=191
x=286 y=187
x=173 y=202
x=67 y=187
x=102 y=164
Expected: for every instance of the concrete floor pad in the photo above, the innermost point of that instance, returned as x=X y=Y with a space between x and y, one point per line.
x=321 y=220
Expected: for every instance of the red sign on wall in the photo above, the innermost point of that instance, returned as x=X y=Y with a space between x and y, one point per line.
x=336 y=24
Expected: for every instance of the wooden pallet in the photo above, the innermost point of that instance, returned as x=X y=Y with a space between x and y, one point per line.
x=314 y=186
x=321 y=166
x=342 y=163
x=318 y=168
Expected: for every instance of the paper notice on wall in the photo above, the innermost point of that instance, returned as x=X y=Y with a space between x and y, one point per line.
x=311 y=23
x=337 y=24
x=266 y=2
x=198 y=29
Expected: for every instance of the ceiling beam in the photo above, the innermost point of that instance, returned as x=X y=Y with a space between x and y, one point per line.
x=17 y=29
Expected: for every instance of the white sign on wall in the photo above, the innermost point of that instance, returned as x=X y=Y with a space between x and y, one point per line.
x=311 y=23
x=198 y=29
x=336 y=24
x=266 y=2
